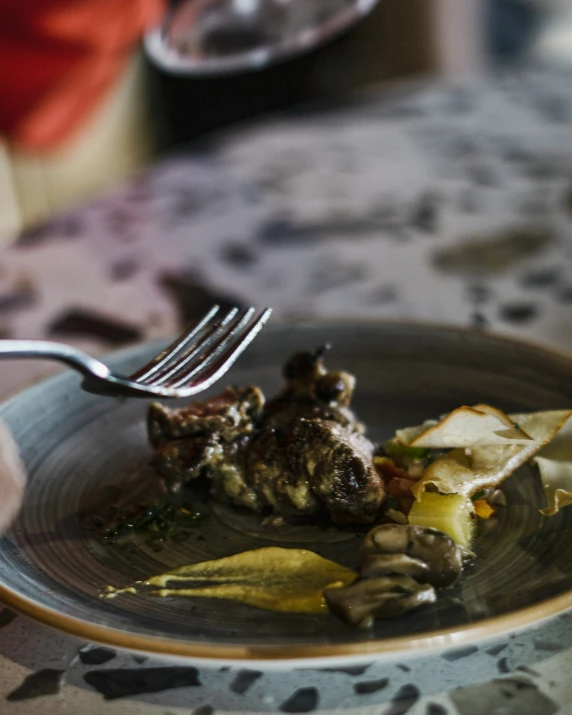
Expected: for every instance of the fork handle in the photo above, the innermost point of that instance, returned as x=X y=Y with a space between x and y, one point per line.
x=47 y=350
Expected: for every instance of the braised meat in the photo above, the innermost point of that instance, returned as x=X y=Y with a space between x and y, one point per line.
x=300 y=453
x=312 y=393
x=209 y=438
x=339 y=465
x=233 y=413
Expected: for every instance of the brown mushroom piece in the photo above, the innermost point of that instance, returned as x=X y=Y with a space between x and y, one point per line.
x=431 y=546
x=368 y=599
x=374 y=565
x=335 y=388
x=313 y=393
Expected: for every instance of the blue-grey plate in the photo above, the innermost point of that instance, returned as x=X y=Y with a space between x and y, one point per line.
x=75 y=445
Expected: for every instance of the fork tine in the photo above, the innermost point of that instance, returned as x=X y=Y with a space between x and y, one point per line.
x=226 y=355
x=204 y=338
x=163 y=358
x=194 y=360
x=194 y=351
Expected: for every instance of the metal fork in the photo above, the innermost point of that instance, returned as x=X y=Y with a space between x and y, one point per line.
x=189 y=365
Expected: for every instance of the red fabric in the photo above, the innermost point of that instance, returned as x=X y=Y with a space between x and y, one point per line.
x=59 y=58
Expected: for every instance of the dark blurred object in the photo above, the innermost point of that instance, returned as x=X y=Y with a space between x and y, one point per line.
x=205 y=37
x=187 y=107
x=513 y=27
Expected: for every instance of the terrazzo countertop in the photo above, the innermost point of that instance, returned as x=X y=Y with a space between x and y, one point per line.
x=450 y=204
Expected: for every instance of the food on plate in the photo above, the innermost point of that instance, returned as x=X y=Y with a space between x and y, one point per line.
x=276 y=579
x=304 y=455
x=301 y=453
x=400 y=568
x=454 y=514
x=432 y=556
x=482 y=446
x=154 y=521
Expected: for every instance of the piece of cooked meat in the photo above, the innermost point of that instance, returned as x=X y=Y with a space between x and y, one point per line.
x=233 y=413
x=208 y=439
x=301 y=453
x=339 y=464
x=316 y=464
x=276 y=471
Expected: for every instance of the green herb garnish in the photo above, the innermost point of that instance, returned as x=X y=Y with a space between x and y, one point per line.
x=395 y=449
x=154 y=523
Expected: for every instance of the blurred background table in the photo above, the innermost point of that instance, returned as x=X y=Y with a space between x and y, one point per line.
x=150 y=110
x=439 y=201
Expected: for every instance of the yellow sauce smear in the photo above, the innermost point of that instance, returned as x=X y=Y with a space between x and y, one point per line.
x=110 y=592
x=272 y=578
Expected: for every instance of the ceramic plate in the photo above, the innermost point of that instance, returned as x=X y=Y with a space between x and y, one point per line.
x=76 y=445
x=202 y=39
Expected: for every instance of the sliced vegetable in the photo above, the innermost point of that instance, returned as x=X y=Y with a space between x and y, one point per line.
x=480 y=494
x=467 y=471
x=406 y=435
x=554 y=463
x=451 y=513
x=487 y=446
x=483 y=509
x=397 y=449
x=388 y=469
x=399 y=488
x=471 y=426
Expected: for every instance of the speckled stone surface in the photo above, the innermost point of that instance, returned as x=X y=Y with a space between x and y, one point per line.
x=435 y=203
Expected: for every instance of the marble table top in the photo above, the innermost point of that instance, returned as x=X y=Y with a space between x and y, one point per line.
x=433 y=202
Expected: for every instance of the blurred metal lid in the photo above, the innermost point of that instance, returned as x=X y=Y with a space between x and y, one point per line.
x=210 y=37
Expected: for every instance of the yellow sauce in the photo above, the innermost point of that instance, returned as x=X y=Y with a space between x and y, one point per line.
x=110 y=592
x=272 y=578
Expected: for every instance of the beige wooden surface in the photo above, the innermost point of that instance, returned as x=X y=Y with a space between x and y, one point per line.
x=115 y=142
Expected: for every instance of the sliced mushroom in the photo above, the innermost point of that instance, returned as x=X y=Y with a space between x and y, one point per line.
x=439 y=552
x=431 y=546
x=335 y=387
x=383 y=597
x=374 y=565
x=497 y=498
x=386 y=539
